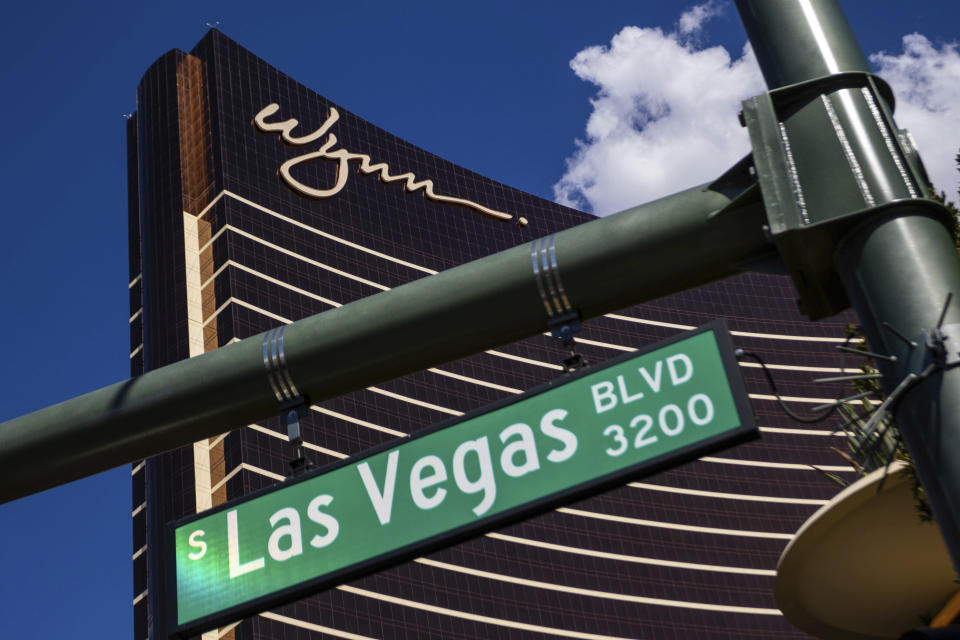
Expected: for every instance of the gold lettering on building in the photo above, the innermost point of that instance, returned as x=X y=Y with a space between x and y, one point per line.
x=342 y=157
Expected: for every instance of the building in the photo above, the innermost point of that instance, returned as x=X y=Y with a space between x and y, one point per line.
x=234 y=231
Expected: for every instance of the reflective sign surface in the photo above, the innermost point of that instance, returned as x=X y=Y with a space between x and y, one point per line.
x=583 y=433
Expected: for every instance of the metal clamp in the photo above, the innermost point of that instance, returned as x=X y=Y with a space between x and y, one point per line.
x=275 y=363
x=295 y=410
x=944 y=344
x=808 y=230
x=547 y=274
x=290 y=401
x=562 y=318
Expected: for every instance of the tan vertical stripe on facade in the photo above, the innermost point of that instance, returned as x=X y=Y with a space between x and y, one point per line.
x=195 y=177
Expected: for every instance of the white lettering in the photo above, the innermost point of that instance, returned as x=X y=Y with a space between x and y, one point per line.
x=603 y=396
x=324 y=520
x=708 y=409
x=290 y=530
x=642 y=439
x=419 y=482
x=233 y=550
x=615 y=431
x=654 y=382
x=549 y=428
x=526 y=445
x=679 y=378
x=678 y=419
x=200 y=544
x=382 y=500
x=624 y=395
x=485 y=482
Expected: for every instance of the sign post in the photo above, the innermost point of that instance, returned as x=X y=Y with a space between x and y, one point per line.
x=670 y=403
x=846 y=201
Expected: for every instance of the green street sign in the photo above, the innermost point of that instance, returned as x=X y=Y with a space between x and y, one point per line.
x=671 y=402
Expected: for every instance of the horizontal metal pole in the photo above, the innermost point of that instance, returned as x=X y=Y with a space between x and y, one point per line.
x=637 y=255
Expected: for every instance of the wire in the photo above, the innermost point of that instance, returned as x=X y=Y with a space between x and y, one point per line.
x=773 y=385
x=894 y=402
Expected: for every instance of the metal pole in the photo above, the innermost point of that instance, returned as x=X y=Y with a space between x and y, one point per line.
x=669 y=245
x=900 y=271
x=897 y=261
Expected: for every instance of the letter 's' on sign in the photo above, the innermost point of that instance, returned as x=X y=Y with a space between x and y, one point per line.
x=583 y=433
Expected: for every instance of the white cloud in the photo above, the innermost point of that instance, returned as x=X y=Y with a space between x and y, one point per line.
x=926 y=82
x=692 y=20
x=664 y=117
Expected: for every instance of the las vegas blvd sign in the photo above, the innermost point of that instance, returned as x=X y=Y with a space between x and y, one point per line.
x=640 y=413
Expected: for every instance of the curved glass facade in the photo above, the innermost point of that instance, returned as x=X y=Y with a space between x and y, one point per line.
x=225 y=246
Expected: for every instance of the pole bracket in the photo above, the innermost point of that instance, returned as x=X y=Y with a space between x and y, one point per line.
x=828 y=157
x=275 y=363
x=943 y=341
x=290 y=402
x=564 y=328
x=294 y=410
x=563 y=320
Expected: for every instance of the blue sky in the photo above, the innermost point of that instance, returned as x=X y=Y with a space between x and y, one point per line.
x=487 y=86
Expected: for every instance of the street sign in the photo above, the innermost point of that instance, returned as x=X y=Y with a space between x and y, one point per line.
x=646 y=411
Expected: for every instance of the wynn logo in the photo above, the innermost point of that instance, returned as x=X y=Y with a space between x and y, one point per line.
x=342 y=157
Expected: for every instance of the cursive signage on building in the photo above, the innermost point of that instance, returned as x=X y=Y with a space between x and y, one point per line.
x=328 y=151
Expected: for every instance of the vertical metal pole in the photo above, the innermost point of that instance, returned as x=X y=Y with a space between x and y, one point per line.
x=899 y=266
x=900 y=271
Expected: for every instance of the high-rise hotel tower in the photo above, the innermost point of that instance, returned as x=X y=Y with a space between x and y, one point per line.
x=237 y=227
